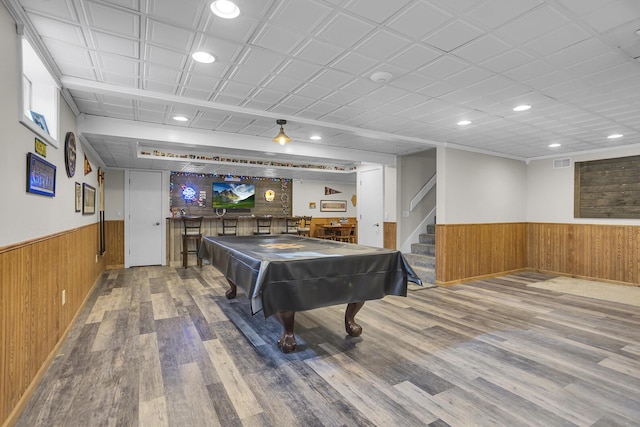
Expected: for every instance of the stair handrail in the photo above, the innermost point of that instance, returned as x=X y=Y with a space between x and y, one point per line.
x=422 y=193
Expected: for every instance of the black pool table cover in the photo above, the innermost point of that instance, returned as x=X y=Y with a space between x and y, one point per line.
x=294 y=273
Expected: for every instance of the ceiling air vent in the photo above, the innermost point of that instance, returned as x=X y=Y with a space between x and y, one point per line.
x=562 y=163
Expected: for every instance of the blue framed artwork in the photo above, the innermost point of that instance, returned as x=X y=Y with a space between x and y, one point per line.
x=39 y=120
x=41 y=176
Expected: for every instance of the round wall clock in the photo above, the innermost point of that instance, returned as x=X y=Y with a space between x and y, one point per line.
x=70 y=153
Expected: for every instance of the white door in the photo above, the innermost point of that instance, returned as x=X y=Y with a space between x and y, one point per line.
x=371 y=207
x=145 y=218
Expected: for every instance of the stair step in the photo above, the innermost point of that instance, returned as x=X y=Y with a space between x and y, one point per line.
x=423 y=261
x=427 y=275
x=423 y=249
x=427 y=238
x=431 y=228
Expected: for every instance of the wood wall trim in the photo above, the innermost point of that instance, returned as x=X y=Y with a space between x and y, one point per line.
x=19 y=245
x=114 y=244
x=33 y=320
x=390 y=235
x=468 y=251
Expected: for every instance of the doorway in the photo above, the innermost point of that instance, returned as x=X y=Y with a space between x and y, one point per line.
x=371 y=207
x=145 y=219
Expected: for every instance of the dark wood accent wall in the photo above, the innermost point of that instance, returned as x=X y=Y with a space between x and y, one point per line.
x=473 y=251
x=33 y=320
x=606 y=252
x=114 y=235
x=608 y=188
x=389 y=236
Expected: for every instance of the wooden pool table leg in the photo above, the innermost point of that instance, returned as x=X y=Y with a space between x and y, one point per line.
x=287 y=341
x=231 y=292
x=353 y=329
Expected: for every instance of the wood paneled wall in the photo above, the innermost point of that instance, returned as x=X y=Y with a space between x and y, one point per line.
x=606 y=252
x=33 y=320
x=114 y=235
x=472 y=251
x=390 y=234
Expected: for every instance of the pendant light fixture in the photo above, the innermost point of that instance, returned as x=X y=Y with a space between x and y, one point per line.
x=281 y=138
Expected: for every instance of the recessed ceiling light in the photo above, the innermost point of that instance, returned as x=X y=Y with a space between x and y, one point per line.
x=315 y=137
x=180 y=119
x=464 y=122
x=615 y=136
x=555 y=145
x=204 y=57
x=523 y=107
x=225 y=9
x=381 y=77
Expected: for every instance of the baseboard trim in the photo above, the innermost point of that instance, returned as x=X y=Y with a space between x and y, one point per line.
x=475 y=278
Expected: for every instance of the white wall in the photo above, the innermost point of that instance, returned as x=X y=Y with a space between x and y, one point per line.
x=550 y=192
x=114 y=195
x=477 y=188
x=303 y=192
x=25 y=216
x=391 y=199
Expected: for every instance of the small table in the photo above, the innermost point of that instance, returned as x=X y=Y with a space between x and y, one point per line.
x=282 y=274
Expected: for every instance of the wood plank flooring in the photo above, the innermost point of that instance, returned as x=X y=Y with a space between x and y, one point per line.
x=159 y=346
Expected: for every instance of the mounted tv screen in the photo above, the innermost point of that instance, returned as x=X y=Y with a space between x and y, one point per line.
x=233 y=196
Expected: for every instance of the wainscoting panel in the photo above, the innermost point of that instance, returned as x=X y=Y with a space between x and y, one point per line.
x=33 y=320
x=606 y=252
x=473 y=251
x=390 y=235
x=114 y=235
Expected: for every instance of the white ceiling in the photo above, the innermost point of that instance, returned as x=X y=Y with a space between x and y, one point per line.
x=127 y=66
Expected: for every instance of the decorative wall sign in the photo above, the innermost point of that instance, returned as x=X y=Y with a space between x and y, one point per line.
x=70 y=154
x=41 y=148
x=78 y=197
x=312 y=205
x=88 y=199
x=333 y=205
x=87 y=166
x=39 y=120
x=41 y=176
x=269 y=195
x=329 y=191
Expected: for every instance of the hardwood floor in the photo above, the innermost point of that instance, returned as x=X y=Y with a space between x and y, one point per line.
x=161 y=346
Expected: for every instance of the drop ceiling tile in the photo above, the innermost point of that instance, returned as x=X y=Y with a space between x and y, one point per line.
x=412 y=82
x=443 y=68
x=150 y=116
x=112 y=20
x=453 y=35
x=71 y=54
x=341 y=97
x=63 y=32
x=612 y=14
x=117 y=45
x=128 y=4
x=598 y=63
x=60 y=9
x=415 y=56
x=283 y=83
x=378 y=11
x=578 y=53
x=270 y=96
x=236 y=89
x=162 y=87
x=185 y=13
x=419 y=19
x=559 y=39
x=508 y=60
x=494 y=13
x=381 y=45
x=529 y=71
x=73 y=70
x=361 y=87
x=437 y=89
x=170 y=36
x=387 y=93
x=280 y=40
x=533 y=24
x=468 y=77
x=332 y=79
x=237 y=30
x=482 y=49
x=354 y=63
x=318 y=52
x=345 y=31
x=321 y=107
x=162 y=74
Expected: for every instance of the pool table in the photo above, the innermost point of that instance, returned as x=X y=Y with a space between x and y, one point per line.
x=283 y=274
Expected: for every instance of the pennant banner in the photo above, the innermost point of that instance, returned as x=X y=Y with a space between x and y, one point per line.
x=328 y=191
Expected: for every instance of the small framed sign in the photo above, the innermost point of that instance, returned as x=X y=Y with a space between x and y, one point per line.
x=333 y=205
x=88 y=199
x=41 y=176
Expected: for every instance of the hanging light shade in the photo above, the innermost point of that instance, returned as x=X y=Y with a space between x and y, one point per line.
x=282 y=137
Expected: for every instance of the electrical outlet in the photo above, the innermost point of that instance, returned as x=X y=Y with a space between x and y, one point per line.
x=64 y=296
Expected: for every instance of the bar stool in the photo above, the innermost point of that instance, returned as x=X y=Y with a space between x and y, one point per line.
x=291 y=226
x=263 y=226
x=304 y=226
x=192 y=231
x=229 y=227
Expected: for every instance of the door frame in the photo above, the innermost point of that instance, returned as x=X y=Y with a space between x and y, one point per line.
x=379 y=240
x=127 y=223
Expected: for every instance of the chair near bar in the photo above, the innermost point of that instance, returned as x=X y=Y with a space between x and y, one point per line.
x=263 y=226
x=192 y=232
x=304 y=226
x=229 y=227
x=291 y=225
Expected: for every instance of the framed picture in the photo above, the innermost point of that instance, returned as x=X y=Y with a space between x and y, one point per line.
x=333 y=205
x=41 y=176
x=78 y=197
x=40 y=121
x=312 y=205
x=88 y=199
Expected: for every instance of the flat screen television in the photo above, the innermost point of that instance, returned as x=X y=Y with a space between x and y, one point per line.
x=233 y=195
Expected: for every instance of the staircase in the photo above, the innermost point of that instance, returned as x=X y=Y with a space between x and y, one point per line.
x=423 y=258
